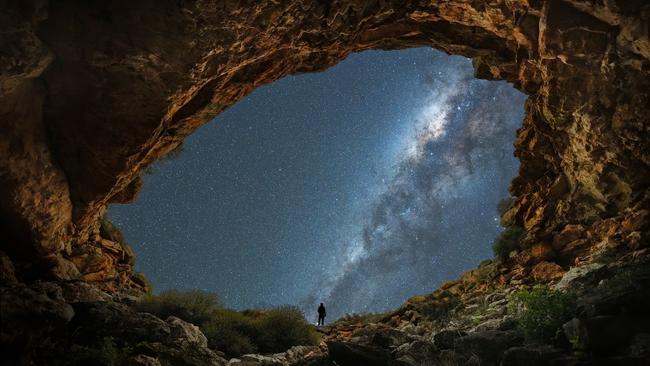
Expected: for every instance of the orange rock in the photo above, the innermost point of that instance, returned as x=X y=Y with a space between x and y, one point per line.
x=605 y=228
x=636 y=221
x=524 y=258
x=547 y=272
x=542 y=252
x=448 y=284
x=568 y=234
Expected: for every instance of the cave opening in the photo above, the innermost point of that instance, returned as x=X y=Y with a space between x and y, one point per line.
x=359 y=186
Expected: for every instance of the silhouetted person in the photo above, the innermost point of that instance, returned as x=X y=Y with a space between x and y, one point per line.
x=321 y=314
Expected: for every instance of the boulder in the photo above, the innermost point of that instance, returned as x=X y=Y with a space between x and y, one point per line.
x=414 y=353
x=568 y=234
x=80 y=291
x=99 y=319
x=600 y=335
x=258 y=360
x=390 y=337
x=488 y=345
x=350 y=354
x=547 y=271
x=170 y=342
x=576 y=275
x=542 y=252
x=185 y=332
x=445 y=339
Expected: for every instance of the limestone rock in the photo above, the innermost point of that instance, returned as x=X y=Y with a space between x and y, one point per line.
x=578 y=274
x=186 y=332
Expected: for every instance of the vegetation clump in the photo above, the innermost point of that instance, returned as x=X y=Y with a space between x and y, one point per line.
x=193 y=306
x=233 y=332
x=104 y=352
x=540 y=312
x=508 y=241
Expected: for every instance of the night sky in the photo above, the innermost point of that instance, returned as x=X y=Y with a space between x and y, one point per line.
x=359 y=187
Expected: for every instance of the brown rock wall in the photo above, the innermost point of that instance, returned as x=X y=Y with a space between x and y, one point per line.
x=93 y=92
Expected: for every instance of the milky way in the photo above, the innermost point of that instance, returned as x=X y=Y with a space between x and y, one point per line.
x=358 y=187
x=436 y=216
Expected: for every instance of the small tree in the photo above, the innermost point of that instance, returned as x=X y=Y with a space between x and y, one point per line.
x=541 y=311
x=507 y=241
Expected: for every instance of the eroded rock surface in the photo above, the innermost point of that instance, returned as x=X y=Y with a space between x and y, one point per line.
x=94 y=92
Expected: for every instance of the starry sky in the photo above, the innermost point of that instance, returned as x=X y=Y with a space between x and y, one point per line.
x=359 y=187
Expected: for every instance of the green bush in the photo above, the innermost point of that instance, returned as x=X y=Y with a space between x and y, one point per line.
x=193 y=306
x=541 y=311
x=105 y=352
x=232 y=332
x=282 y=328
x=507 y=241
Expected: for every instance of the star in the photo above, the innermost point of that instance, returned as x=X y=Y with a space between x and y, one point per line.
x=359 y=186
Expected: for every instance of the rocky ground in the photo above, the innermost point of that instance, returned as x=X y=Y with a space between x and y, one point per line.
x=460 y=326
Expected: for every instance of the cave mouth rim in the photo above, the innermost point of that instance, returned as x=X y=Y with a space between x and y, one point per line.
x=431 y=51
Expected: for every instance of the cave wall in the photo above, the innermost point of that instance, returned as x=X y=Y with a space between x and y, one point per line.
x=94 y=91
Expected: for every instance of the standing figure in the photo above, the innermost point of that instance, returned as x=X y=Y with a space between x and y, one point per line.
x=321 y=314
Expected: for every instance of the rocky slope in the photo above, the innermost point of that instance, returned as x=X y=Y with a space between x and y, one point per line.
x=471 y=322
x=93 y=92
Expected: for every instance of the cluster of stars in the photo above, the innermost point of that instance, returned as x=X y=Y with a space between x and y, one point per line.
x=305 y=191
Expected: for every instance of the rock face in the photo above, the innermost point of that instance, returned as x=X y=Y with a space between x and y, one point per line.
x=474 y=325
x=93 y=92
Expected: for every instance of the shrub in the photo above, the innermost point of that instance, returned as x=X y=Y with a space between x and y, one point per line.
x=193 y=306
x=541 y=312
x=232 y=332
x=507 y=241
x=105 y=352
x=283 y=328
